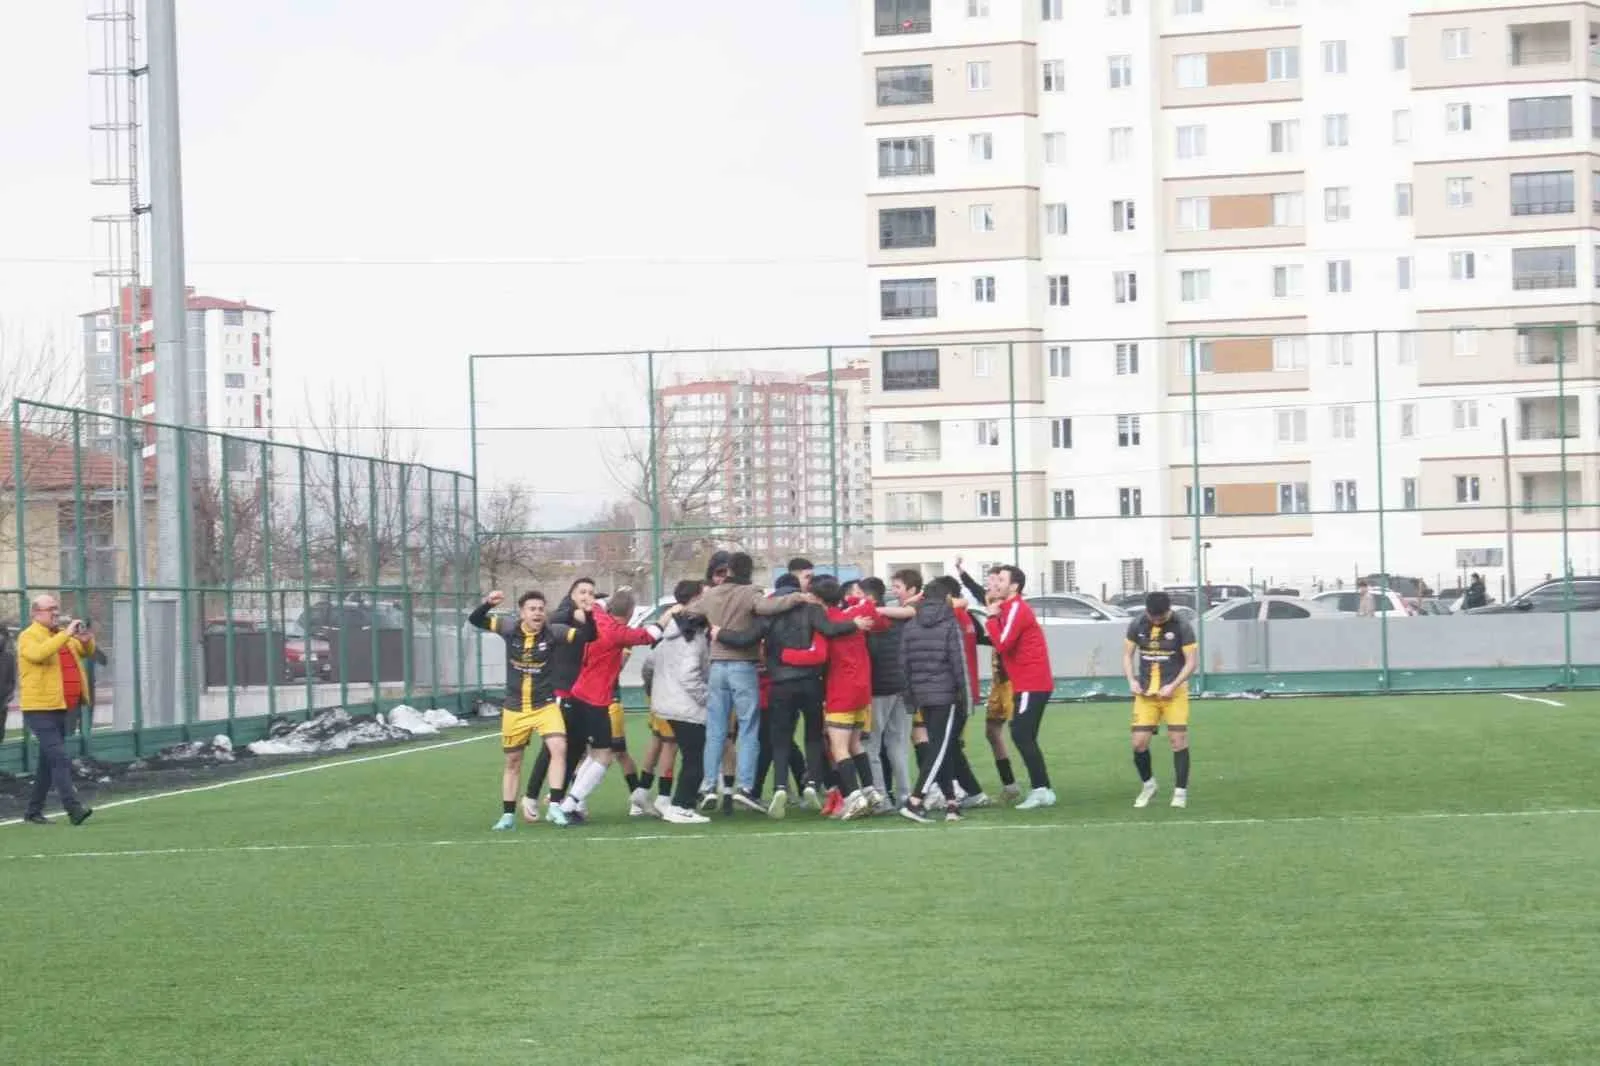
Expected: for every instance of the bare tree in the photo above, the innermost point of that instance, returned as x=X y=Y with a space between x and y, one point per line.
x=508 y=553
x=682 y=471
x=36 y=369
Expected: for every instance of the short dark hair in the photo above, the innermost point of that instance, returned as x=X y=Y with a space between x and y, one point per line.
x=826 y=588
x=620 y=604
x=799 y=564
x=531 y=594
x=852 y=587
x=741 y=568
x=1014 y=574
x=874 y=587
x=911 y=579
x=944 y=585
x=1157 y=604
x=685 y=591
x=581 y=581
x=786 y=582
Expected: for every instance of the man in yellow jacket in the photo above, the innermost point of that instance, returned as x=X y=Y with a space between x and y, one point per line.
x=52 y=683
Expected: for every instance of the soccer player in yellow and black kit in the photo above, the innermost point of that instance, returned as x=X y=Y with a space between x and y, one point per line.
x=1160 y=654
x=530 y=705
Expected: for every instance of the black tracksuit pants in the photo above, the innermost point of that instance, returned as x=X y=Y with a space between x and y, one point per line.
x=947 y=758
x=691 y=738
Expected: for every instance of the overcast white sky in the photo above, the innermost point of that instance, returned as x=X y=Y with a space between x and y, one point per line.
x=691 y=168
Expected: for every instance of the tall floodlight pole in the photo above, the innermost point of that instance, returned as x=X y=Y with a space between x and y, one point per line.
x=170 y=311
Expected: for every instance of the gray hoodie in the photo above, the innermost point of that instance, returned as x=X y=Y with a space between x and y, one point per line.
x=675 y=672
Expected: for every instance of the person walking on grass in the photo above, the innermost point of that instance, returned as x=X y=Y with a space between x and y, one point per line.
x=676 y=674
x=52 y=684
x=1002 y=702
x=1158 y=657
x=566 y=660
x=530 y=702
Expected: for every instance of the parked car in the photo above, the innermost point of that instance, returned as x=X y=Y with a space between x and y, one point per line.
x=305 y=656
x=323 y=617
x=1550 y=597
x=1074 y=608
x=1215 y=594
x=1433 y=605
x=1269 y=609
x=1348 y=601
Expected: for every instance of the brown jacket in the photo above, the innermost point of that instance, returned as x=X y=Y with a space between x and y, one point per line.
x=734 y=607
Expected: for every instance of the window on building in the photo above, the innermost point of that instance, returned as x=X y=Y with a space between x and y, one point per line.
x=980 y=75
x=1336 y=131
x=1119 y=71
x=983 y=360
x=1539 y=118
x=1542 y=192
x=1288 y=209
x=233 y=381
x=1458 y=192
x=1059 y=290
x=1404 y=267
x=1458 y=118
x=1408 y=494
x=1341 y=349
x=1294 y=497
x=1125 y=286
x=1198 y=357
x=909 y=297
x=981 y=218
x=1063 y=576
x=1336 y=203
x=1051 y=10
x=1467 y=488
x=1402 y=199
x=1188 y=7
x=1127 y=358
x=980 y=147
x=1338 y=275
x=989 y=504
x=1283 y=64
x=1119 y=8
x=907 y=227
x=988 y=432
x=1208 y=499
x=1335 y=57
x=1055 y=220
x=983 y=289
x=1055 y=149
x=1464 y=414
x=1463 y=342
x=1344 y=496
x=1060 y=359
x=1397 y=53
x=1054 y=73
x=233 y=318
x=1061 y=433
x=1133 y=576
x=910 y=369
x=1457 y=43
x=1194 y=286
x=977 y=9
x=1189 y=70
x=1122 y=216
x=1119 y=143
x=1283 y=136
x=1194 y=213
x=1127 y=431
x=1342 y=422
x=1291 y=426
x=1130 y=502
x=1192 y=429
x=1063 y=504
x=1191 y=142
x=1544 y=268
x=1288 y=281
x=1408 y=420
x=904 y=86
x=1463 y=266
x=1288 y=353
x=1400 y=126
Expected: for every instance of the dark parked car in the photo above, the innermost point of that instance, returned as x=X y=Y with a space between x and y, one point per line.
x=1550 y=597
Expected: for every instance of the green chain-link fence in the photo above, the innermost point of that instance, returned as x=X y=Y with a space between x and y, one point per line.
x=314 y=580
x=1407 y=461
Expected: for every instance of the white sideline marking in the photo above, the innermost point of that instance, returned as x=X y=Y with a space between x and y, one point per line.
x=1532 y=699
x=278 y=775
x=837 y=833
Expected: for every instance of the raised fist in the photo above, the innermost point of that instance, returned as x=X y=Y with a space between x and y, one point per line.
x=495 y=598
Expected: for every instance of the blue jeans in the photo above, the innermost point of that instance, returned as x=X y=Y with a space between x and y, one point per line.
x=733 y=687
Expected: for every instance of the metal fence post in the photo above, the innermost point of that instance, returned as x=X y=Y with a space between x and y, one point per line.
x=373 y=577
x=1383 y=559
x=338 y=616
x=20 y=503
x=408 y=622
x=186 y=611
x=305 y=582
x=658 y=583
x=1566 y=551
x=1197 y=497
x=461 y=595
x=225 y=496
x=83 y=611
x=433 y=594
x=135 y=455
x=274 y=661
x=833 y=464
x=1016 y=481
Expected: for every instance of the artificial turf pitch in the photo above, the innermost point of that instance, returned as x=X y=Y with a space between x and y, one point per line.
x=1386 y=880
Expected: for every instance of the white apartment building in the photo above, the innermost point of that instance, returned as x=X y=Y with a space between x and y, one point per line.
x=229 y=345
x=1364 y=216
x=759 y=456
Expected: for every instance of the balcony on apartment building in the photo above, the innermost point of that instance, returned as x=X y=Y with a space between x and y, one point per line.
x=1538 y=43
x=912 y=442
x=1541 y=491
x=1544 y=268
x=893 y=18
x=915 y=512
x=1547 y=418
x=1546 y=345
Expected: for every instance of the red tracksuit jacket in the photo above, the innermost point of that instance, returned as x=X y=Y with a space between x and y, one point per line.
x=849 y=684
x=602 y=658
x=1016 y=635
x=969 y=645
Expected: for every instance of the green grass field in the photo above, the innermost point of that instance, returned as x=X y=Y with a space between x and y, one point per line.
x=1408 y=880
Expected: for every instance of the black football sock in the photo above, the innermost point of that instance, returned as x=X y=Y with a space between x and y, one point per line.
x=727 y=782
x=666 y=785
x=633 y=782
x=508 y=806
x=1180 y=766
x=1003 y=767
x=923 y=749
x=863 y=767
x=1141 y=762
x=556 y=796
x=846 y=769
x=646 y=780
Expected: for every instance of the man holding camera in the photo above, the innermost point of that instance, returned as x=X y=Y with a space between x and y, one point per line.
x=52 y=685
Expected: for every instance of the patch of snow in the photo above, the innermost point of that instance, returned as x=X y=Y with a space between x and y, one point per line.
x=330 y=731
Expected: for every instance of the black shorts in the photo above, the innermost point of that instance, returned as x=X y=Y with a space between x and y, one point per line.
x=591 y=722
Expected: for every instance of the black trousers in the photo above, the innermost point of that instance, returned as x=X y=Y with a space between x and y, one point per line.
x=945 y=725
x=787 y=703
x=691 y=737
x=55 y=767
x=797 y=762
x=1025 y=733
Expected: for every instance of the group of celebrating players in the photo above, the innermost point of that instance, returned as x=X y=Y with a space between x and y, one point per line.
x=731 y=671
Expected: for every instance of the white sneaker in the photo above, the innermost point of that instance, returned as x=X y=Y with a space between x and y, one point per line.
x=855 y=805
x=1180 y=797
x=1039 y=797
x=530 y=809
x=663 y=805
x=708 y=801
x=1147 y=792
x=683 y=816
x=780 y=804
x=809 y=800
x=961 y=793
x=933 y=801
x=972 y=802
